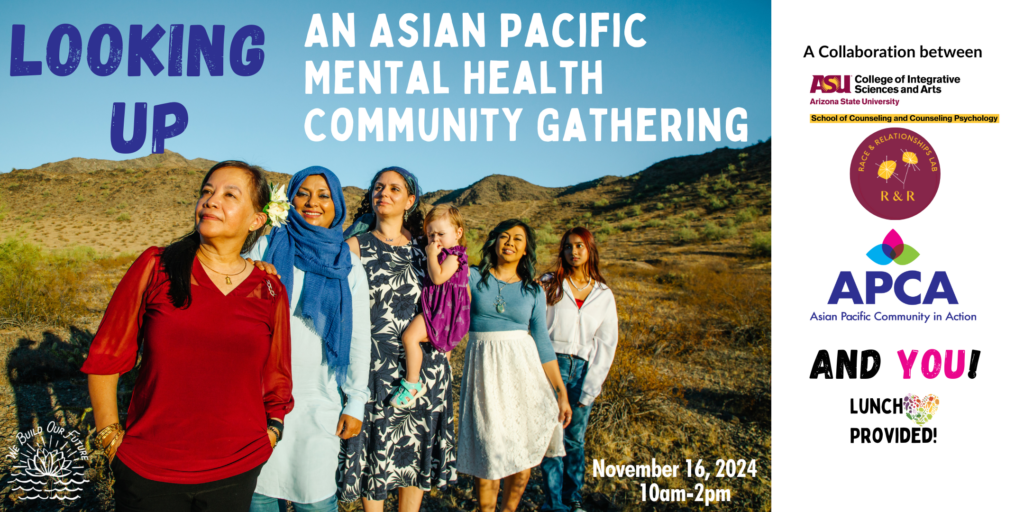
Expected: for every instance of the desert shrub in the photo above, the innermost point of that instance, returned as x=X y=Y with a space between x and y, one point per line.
x=606 y=229
x=474 y=242
x=687 y=235
x=741 y=156
x=672 y=187
x=732 y=168
x=79 y=198
x=654 y=223
x=617 y=189
x=713 y=231
x=123 y=217
x=715 y=203
x=691 y=215
x=546 y=236
x=722 y=184
x=554 y=202
x=761 y=245
x=110 y=211
x=676 y=200
x=122 y=206
x=600 y=203
x=587 y=215
x=41 y=288
x=637 y=210
x=659 y=206
x=746 y=215
x=629 y=225
x=619 y=215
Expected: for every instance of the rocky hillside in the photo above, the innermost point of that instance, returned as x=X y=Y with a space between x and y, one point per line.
x=717 y=202
x=495 y=188
x=168 y=160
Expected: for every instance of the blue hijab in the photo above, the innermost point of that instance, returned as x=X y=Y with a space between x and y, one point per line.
x=324 y=256
x=364 y=222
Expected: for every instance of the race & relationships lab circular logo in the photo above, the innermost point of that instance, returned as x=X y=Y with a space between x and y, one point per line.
x=895 y=173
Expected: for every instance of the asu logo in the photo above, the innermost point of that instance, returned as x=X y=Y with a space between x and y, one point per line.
x=830 y=83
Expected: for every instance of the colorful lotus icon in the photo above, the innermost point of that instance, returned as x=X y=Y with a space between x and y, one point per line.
x=892 y=249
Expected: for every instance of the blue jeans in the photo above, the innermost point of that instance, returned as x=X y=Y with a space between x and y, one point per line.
x=563 y=476
x=261 y=503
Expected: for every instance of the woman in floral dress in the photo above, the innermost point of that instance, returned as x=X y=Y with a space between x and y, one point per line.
x=411 y=449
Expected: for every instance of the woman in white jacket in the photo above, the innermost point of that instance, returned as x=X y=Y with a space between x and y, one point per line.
x=584 y=329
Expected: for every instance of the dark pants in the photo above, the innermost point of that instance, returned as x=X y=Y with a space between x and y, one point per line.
x=134 y=493
x=563 y=476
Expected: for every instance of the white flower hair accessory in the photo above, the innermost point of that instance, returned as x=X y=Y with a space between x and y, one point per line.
x=277 y=208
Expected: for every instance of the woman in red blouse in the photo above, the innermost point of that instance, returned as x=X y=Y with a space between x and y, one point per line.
x=215 y=380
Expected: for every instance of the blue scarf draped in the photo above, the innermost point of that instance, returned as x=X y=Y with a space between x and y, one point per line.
x=324 y=256
x=364 y=222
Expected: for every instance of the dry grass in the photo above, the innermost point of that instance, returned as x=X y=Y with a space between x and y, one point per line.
x=690 y=379
x=49 y=288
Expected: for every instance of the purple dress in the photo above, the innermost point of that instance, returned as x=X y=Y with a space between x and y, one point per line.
x=446 y=306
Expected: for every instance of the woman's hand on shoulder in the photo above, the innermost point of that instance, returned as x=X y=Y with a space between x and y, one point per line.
x=269 y=268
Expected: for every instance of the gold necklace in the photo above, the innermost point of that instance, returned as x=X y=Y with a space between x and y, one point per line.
x=227 y=277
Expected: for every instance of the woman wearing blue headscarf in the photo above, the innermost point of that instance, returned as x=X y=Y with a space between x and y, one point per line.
x=411 y=450
x=329 y=298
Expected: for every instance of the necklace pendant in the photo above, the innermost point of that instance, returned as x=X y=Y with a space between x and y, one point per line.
x=500 y=308
x=227 y=280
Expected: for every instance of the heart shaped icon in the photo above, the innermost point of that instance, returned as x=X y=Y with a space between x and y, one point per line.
x=920 y=410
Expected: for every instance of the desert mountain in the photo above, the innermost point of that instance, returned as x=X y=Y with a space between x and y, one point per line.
x=167 y=160
x=496 y=188
x=717 y=202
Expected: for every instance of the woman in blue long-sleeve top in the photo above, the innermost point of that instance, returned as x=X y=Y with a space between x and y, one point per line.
x=513 y=403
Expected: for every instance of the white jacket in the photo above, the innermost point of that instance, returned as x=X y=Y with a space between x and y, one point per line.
x=590 y=332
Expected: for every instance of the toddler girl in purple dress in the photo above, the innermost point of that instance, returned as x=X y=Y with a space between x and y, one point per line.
x=445 y=318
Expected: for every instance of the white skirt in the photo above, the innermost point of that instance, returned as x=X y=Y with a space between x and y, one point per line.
x=508 y=413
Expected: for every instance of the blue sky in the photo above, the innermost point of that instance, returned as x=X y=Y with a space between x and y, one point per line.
x=697 y=55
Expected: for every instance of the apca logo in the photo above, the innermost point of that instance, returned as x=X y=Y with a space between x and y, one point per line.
x=49 y=467
x=892 y=250
x=830 y=83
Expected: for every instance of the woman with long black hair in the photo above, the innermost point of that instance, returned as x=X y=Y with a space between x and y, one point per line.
x=215 y=382
x=513 y=404
x=584 y=328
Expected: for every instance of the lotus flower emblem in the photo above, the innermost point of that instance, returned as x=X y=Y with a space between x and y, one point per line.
x=47 y=463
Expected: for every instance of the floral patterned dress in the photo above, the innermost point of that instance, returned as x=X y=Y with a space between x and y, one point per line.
x=398 y=447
